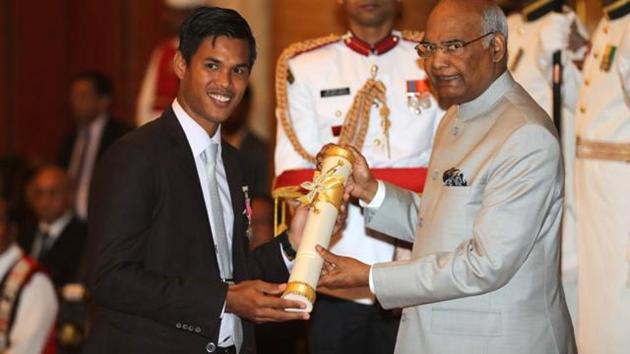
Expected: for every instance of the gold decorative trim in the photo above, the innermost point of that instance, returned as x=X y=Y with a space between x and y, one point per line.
x=598 y=150
x=614 y=6
x=282 y=75
x=534 y=6
x=302 y=289
x=336 y=150
x=412 y=36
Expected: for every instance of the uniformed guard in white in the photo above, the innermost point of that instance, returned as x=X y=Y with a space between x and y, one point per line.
x=371 y=93
x=603 y=189
x=535 y=33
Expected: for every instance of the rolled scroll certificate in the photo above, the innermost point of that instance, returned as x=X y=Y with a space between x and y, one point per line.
x=325 y=196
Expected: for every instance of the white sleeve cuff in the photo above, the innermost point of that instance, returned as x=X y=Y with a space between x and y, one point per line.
x=376 y=202
x=371 y=281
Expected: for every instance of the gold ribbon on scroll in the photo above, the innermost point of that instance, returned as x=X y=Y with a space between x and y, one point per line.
x=324 y=197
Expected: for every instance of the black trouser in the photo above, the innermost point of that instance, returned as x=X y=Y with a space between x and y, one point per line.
x=345 y=327
x=226 y=350
x=281 y=338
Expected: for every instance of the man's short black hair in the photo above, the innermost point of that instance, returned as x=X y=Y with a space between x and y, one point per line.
x=101 y=83
x=214 y=22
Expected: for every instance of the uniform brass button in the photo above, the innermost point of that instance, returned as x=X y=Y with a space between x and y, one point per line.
x=587 y=82
x=582 y=109
x=606 y=29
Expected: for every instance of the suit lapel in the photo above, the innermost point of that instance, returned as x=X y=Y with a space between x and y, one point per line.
x=183 y=164
x=182 y=152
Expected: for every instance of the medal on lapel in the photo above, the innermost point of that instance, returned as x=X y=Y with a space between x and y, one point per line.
x=248 y=213
x=608 y=57
x=418 y=95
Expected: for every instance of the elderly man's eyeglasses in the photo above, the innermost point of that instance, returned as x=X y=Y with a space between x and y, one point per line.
x=455 y=47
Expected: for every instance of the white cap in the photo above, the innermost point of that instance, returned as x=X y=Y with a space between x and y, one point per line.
x=185 y=4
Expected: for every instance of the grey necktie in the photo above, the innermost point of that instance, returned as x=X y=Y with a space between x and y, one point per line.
x=216 y=213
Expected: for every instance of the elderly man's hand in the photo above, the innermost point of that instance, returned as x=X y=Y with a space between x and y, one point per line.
x=342 y=272
x=361 y=184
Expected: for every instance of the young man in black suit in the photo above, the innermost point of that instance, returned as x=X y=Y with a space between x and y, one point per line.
x=168 y=219
x=90 y=103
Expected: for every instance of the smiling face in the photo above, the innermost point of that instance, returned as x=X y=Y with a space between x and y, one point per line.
x=213 y=82
x=461 y=78
x=370 y=13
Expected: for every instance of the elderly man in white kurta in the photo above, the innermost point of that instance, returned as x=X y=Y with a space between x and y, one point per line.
x=484 y=274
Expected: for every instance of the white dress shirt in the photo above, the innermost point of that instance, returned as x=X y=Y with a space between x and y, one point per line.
x=36 y=310
x=199 y=140
x=83 y=181
x=53 y=230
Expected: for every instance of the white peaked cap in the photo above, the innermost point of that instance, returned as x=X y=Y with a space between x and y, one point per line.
x=185 y=4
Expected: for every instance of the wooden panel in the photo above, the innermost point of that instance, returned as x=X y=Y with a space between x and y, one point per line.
x=54 y=40
x=40 y=59
x=96 y=42
x=5 y=128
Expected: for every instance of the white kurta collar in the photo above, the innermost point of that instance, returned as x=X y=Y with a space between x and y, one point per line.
x=486 y=101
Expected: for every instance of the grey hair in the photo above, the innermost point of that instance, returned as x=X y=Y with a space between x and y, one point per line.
x=493 y=21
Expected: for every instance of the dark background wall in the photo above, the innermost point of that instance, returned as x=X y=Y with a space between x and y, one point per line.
x=44 y=43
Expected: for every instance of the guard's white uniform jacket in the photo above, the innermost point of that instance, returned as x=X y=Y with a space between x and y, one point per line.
x=36 y=309
x=321 y=88
x=525 y=64
x=603 y=192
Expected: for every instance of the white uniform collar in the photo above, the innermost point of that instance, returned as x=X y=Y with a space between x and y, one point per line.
x=197 y=137
x=383 y=46
x=485 y=102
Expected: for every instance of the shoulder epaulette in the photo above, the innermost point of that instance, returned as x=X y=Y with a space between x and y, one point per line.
x=412 y=36
x=283 y=75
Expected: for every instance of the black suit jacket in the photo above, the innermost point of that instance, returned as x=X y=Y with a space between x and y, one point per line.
x=63 y=259
x=111 y=132
x=155 y=275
